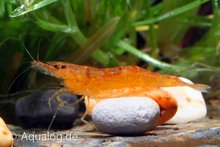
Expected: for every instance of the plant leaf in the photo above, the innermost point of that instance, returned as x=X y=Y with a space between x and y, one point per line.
x=54 y=27
x=26 y=8
x=173 y=13
x=95 y=41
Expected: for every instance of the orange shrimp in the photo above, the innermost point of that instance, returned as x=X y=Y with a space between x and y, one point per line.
x=98 y=84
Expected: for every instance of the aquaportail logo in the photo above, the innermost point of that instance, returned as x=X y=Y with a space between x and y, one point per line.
x=58 y=137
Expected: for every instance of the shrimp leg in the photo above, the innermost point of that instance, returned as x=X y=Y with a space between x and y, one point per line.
x=83 y=118
x=60 y=103
x=77 y=101
x=57 y=97
x=88 y=127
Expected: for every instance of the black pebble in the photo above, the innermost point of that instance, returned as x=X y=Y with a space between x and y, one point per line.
x=34 y=111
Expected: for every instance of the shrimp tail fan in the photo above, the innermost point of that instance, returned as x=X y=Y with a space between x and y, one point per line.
x=201 y=87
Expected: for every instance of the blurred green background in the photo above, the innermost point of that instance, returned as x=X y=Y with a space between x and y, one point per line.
x=180 y=37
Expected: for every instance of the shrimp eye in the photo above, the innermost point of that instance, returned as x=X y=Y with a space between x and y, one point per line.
x=56 y=66
x=63 y=66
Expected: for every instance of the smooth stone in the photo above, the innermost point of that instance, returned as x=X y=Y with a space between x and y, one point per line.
x=34 y=111
x=126 y=115
x=6 y=139
x=191 y=104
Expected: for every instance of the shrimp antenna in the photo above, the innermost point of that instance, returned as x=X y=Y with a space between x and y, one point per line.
x=9 y=88
x=26 y=48
x=54 y=116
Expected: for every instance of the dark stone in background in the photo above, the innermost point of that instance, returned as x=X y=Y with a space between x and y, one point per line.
x=34 y=111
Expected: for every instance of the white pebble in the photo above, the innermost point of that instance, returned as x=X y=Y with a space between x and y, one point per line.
x=126 y=116
x=191 y=104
